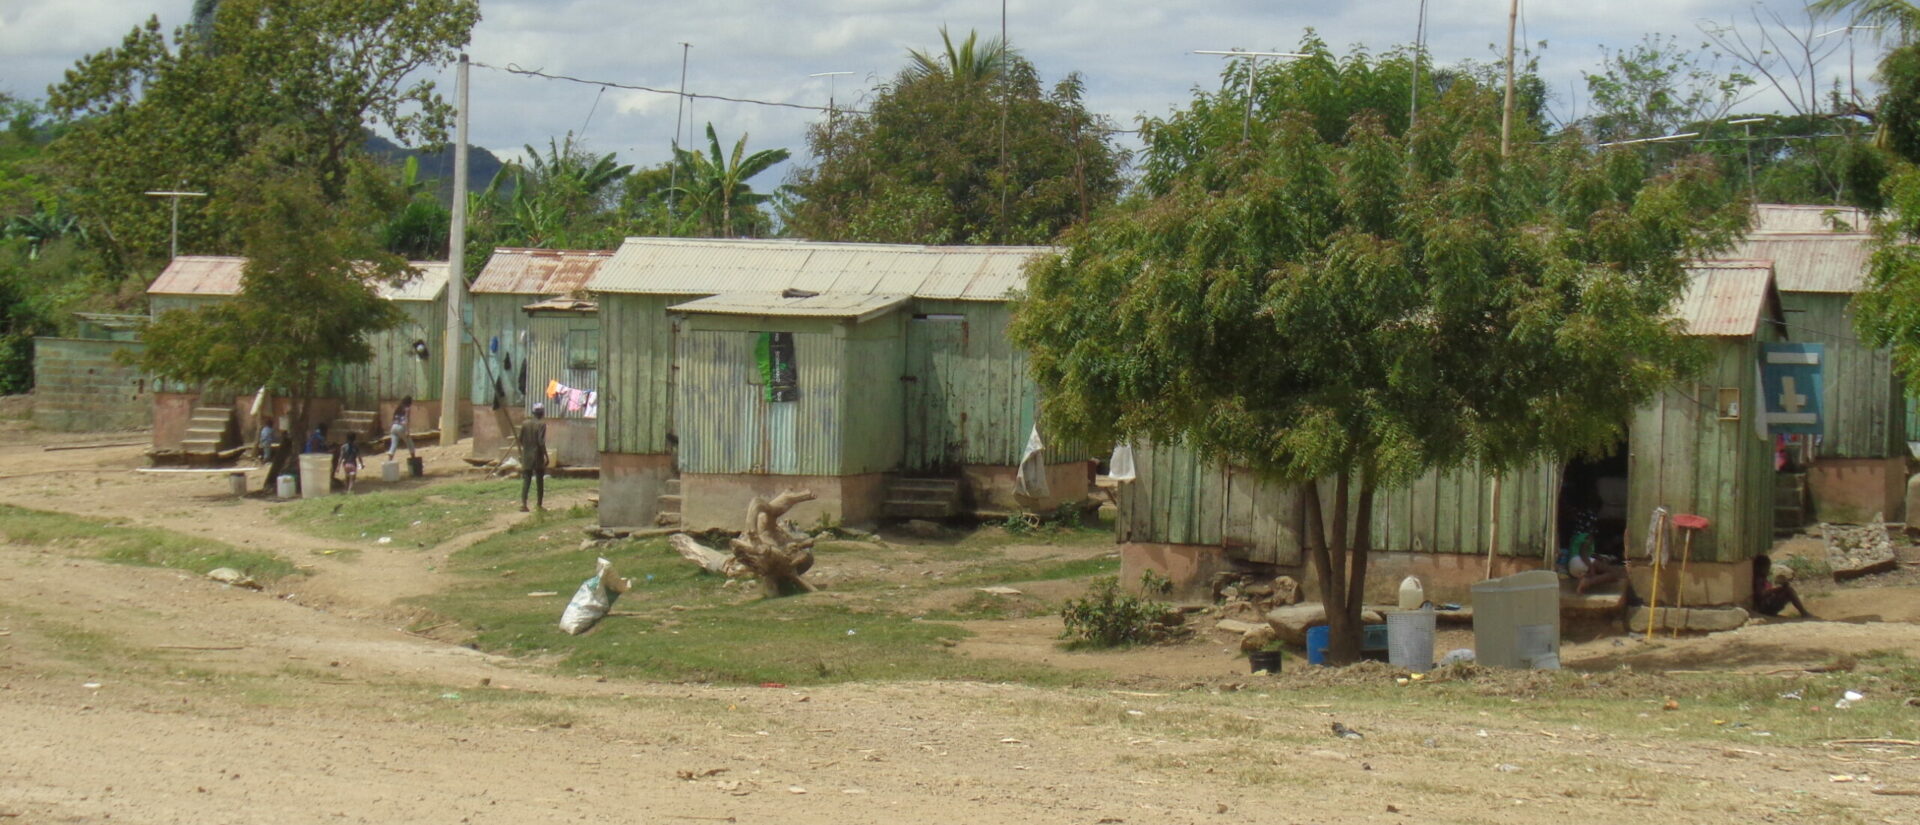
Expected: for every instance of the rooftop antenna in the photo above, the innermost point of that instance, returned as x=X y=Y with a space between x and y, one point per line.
x=173 y=250
x=1246 y=122
x=673 y=169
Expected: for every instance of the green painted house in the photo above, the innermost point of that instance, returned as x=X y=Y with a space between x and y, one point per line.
x=534 y=328
x=878 y=376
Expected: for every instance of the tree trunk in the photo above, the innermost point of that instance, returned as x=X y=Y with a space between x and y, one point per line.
x=777 y=557
x=709 y=559
x=1337 y=547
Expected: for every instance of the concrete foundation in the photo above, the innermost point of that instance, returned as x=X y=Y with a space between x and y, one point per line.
x=1706 y=584
x=719 y=500
x=488 y=440
x=171 y=412
x=630 y=488
x=573 y=442
x=1858 y=490
x=991 y=485
x=1447 y=577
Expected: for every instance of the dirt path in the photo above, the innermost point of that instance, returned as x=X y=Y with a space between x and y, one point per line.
x=146 y=695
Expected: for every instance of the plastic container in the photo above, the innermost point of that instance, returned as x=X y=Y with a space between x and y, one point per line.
x=316 y=471
x=416 y=466
x=1410 y=639
x=239 y=482
x=390 y=471
x=1317 y=638
x=287 y=486
x=1516 y=620
x=1412 y=593
x=1267 y=660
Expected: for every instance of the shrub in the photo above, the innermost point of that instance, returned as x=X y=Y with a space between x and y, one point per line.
x=1109 y=617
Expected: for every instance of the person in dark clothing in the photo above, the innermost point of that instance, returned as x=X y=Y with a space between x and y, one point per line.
x=533 y=458
x=1772 y=591
x=317 y=440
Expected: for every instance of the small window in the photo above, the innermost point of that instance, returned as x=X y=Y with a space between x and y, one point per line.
x=779 y=375
x=583 y=349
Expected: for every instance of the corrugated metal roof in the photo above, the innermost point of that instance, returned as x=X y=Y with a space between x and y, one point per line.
x=676 y=266
x=1811 y=261
x=1796 y=217
x=539 y=271
x=199 y=275
x=860 y=307
x=221 y=275
x=1726 y=297
x=562 y=305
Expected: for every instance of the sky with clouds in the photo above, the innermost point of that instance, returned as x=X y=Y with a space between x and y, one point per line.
x=1135 y=55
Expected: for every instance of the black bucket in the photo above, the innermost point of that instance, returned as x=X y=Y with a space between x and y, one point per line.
x=1267 y=660
x=416 y=466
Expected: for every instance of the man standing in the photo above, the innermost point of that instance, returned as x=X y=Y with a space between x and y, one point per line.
x=533 y=458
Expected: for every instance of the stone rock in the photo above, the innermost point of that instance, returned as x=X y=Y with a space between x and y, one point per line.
x=1257 y=591
x=231 y=577
x=1243 y=611
x=1257 y=639
x=998 y=590
x=921 y=528
x=1286 y=591
x=1290 y=623
x=1697 y=619
x=1234 y=626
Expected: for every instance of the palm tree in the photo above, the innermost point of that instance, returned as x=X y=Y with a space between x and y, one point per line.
x=714 y=184
x=1897 y=17
x=973 y=62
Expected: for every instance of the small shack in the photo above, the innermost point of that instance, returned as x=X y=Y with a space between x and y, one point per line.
x=79 y=385
x=534 y=328
x=1855 y=469
x=879 y=376
x=358 y=396
x=1696 y=448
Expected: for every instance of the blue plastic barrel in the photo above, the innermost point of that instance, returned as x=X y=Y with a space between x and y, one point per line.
x=1317 y=638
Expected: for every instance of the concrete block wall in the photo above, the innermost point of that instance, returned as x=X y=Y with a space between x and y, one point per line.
x=78 y=386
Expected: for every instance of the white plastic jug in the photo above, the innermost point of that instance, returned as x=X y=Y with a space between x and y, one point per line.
x=287 y=486
x=1412 y=594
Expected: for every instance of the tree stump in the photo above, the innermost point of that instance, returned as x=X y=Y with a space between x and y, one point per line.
x=709 y=559
x=777 y=557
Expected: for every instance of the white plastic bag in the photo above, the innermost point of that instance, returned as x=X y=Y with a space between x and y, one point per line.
x=1031 y=478
x=594 y=598
x=1120 y=466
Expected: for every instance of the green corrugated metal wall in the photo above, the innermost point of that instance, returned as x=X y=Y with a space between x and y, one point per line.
x=636 y=376
x=873 y=434
x=1683 y=456
x=984 y=407
x=1861 y=398
x=546 y=354
x=498 y=321
x=395 y=372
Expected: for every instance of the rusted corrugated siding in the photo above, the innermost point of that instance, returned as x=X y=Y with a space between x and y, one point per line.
x=538 y=272
x=727 y=426
x=1725 y=297
x=200 y=275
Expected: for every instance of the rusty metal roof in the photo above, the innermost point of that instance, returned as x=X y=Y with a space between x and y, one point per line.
x=1811 y=261
x=1726 y=298
x=677 y=266
x=562 y=305
x=1796 y=217
x=539 y=271
x=199 y=275
x=221 y=275
x=860 y=307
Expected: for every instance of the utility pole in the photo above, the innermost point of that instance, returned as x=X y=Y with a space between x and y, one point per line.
x=1506 y=112
x=1253 y=58
x=673 y=169
x=450 y=372
x=173 y=247
x=1419 y=53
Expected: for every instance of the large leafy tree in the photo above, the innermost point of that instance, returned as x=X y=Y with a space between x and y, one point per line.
x=964 y=148
x=309 y=297
x=713 y=189
x=165 y=112
x=1657 y=86
x=1345 y=310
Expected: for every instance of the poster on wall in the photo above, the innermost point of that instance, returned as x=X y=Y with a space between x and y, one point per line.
x=1790 y=383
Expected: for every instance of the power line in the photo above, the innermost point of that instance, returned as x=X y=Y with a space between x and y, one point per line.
x=515 y=69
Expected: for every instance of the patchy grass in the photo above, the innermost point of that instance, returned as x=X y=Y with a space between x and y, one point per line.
x=118 y=542
x=415 y=516
x=681 y=624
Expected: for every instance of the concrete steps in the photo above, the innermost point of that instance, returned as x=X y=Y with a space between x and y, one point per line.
x=211 y=430
x=922 y=498
x=364 y=424
x=670 y=503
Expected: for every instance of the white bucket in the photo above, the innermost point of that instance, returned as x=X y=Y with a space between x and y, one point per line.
x=315 y=474
x=1410 y=639
x=239 y=482
x=390 y=471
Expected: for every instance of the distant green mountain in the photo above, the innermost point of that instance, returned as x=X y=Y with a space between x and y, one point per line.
x=437 y=165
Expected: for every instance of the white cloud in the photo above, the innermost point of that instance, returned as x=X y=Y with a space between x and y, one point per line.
x=1134 y=54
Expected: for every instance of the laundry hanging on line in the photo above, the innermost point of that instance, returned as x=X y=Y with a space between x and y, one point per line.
x=584 y=403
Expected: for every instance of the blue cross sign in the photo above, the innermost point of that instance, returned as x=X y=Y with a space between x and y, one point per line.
x=1790 y=383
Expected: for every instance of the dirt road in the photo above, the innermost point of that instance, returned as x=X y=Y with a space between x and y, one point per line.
x=145 y=695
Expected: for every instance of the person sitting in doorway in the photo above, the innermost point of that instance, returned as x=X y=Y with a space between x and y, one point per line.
x=1773 y=589
x=1589 y=569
